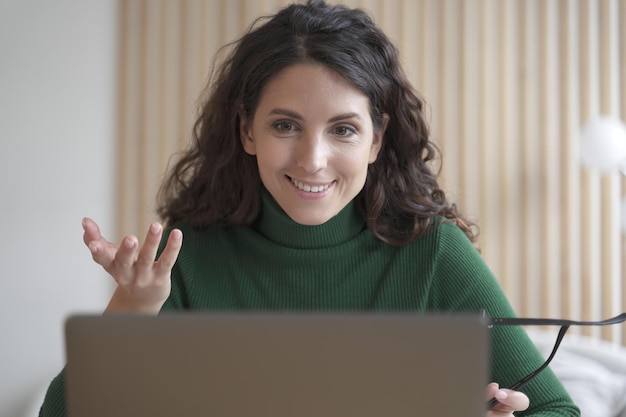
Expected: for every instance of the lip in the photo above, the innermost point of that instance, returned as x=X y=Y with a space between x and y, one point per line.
x=309 y=195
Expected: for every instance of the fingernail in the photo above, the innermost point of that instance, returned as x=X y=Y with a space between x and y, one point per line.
x=130 y=243
x=501 y=395
x=155 y=228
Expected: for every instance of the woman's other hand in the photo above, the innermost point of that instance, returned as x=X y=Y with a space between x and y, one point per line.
x=144 y=282
x=509 y=401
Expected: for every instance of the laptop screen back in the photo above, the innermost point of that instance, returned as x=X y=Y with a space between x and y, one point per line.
x=276 y=365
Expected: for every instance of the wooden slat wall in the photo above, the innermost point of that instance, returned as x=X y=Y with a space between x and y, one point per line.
x=509 y=84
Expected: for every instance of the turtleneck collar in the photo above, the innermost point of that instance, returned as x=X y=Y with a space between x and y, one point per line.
x=277 y=226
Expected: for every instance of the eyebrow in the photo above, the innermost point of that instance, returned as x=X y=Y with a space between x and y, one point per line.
x=297 y=116
x=344 y=116
x=287 y=113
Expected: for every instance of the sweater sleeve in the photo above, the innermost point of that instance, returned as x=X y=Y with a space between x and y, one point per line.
x=463 y=282
x=54 y=402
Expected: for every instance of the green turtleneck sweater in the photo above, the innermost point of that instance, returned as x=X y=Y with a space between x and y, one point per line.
x=279 y=265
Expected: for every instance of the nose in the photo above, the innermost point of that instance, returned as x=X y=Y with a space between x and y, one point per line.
x=312 y=152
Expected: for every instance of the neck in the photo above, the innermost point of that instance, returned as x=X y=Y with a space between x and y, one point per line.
x=275 y=224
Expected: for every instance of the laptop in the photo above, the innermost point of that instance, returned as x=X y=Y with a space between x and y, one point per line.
x=276 y=365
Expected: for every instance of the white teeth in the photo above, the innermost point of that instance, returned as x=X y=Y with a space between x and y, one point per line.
x=309 y=188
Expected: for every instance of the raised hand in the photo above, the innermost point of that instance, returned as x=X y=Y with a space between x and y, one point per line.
x=509 y=401
x=144 y=282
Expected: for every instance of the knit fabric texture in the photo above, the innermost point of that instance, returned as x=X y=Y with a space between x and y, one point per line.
x=279 y=265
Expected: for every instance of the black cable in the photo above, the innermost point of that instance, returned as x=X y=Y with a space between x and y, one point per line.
x=565 y=324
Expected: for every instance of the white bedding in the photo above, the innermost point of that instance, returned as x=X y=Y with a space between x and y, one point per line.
x=593 y=371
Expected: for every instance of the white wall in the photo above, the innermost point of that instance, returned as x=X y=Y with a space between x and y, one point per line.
x=57 y=93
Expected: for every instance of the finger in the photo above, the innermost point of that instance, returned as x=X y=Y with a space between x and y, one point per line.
x=102 y=251
x=91 y=231
x=490 y=394
x=148 y=251
x=170 y=253
x=509 y=401
x=126 y=255
x=491 y=390
x=515 y=400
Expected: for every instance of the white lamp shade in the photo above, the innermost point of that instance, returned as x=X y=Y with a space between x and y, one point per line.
x=603 y=144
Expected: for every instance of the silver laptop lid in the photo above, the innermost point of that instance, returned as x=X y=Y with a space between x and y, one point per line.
x=276 y=365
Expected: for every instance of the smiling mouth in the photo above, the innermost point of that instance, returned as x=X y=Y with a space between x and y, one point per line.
x=307 y=188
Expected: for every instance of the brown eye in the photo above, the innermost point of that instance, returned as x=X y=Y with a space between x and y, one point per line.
x=284 y=126
x=344 y=131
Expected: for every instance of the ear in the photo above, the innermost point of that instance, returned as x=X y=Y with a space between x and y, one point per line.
x=245 y=133
x=377 y=140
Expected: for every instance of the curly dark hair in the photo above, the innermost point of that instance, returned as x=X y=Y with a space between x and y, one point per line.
x=215 y=183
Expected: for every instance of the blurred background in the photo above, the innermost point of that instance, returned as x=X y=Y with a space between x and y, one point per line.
x=95 y=95
x=58 y=92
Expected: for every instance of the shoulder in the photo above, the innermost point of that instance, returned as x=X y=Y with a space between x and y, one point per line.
x=442 y=246
x=453 y=244
x=450 y=251
x=443 y=237
x=461 y=279
x=450 y=236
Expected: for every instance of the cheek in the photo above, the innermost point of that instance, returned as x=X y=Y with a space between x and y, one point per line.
x=271 y=158
x=355 y=164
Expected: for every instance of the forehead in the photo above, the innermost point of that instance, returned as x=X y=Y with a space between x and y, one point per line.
x=310 y=85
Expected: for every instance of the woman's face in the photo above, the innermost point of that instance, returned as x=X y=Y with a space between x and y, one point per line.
x=313 y=138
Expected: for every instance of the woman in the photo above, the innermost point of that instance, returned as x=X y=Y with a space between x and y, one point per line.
x=309 y=187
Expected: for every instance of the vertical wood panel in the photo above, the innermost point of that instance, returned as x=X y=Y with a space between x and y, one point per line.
x=622 y=113
x=449 y=92
x=490 y=144
x=531 y=182
x=129 y=180
x=409 y=37
x=591 y=182
x=171 y=127
x=509 y=133
x=570 y=174
x=508 y=85
x=430 y=56
x=609 y=104
x=151 y=88
x=550 y=197
x=469 y=192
